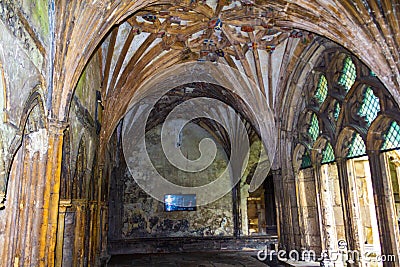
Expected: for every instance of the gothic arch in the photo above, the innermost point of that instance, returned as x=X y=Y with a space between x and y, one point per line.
x=377 y=130
x=33 y=107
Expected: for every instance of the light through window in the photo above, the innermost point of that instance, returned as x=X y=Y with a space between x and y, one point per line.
x=370 y=106
x=357 y=147
x=349 y=74
x=328 y=155
x=322 y=89
x=392 y=137
x=313 y=131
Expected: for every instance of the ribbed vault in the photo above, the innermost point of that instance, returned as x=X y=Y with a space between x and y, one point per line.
x=369 y=29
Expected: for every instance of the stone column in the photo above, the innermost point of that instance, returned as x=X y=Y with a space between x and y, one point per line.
x=327 y=219
x=291 y=218
x=48 y=230
x=236 y=210
x=308 y=205
x=350 y=206
x=384 y=206
x=79 y=232
x=100 y=232
x=278 y=189
x=64 y=204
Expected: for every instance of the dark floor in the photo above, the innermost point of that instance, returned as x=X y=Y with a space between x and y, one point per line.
x=217 y=259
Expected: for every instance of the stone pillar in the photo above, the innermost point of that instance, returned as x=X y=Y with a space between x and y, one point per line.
x=79 y=232
x=64 y=204
x=350 y=206
x=48 y=230
x=327 y=219
x=384 y=206
x=278 y=189
x=100 y=232
x=308 y=210
x=104 y=227
x=291 y=218
x=236 y=209
x=92 y=221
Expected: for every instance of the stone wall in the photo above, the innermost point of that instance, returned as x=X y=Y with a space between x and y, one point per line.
x=143 y=216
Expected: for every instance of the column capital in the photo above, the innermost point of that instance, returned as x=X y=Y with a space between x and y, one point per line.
x=57 y=127
x=64 y=204
x=277 y=171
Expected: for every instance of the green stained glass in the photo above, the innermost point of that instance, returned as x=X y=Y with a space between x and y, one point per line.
x=392 y=137
x=313 y=131
x=306 y=161
x=328 y=155
x=357 y=147
x=371 y=73
x=322 y=89
x=336 y=111
x=370 y=106
x=349 y=74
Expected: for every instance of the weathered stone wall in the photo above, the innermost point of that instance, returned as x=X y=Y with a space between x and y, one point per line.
x=23 y=136
x=28 y=23
x=143 y=216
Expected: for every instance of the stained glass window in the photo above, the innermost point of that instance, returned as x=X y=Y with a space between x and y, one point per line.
x=349 y=74
x=328 y=155
x=336 y=111
x=313 y=131
x=306 y=160
x=357 y=147
x=322 y=89
x=370 y=106
x=392 y=137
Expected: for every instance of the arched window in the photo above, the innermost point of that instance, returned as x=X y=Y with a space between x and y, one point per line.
x=357 y=147
x=392 y=137
x=322 y=90
x=370 y=106
x=349 y=74
x=328 y=155
x=313 y=131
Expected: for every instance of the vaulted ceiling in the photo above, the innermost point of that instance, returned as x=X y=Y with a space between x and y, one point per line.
x=240 y=34
x=262 y=39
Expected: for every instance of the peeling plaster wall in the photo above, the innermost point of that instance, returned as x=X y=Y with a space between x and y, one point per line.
x=28 y=23
x=21 y=75
x=37 y=12
x=143 y=216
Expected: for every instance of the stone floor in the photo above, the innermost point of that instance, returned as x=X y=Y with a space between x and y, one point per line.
x=218 y=259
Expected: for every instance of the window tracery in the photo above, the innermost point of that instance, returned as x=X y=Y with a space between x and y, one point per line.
x=331 y=105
